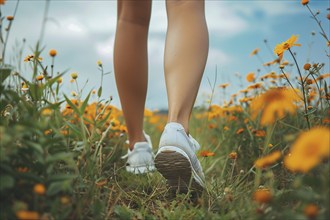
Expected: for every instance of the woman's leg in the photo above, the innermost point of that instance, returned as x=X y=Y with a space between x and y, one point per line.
x=186 y=52
x=131 y=63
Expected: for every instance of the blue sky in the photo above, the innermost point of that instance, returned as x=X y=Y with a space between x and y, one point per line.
x=83 y=32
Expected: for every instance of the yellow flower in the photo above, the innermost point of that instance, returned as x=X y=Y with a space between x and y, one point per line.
x=52 y=53
x=40 y=77
x=311 y=211
x=39 y=189
x=304 y=2
x=25 y=87
x=99 y=63
x=268 y=160
x=274 y=104
x=46 y=112
x=280 y=48
x=254 y=52
x=27 y=215
x=250 y=77
x=225 y=128
x=262 y=196
x=59 y=80
x=74 y=75
x=308 y=150
x=64 y=200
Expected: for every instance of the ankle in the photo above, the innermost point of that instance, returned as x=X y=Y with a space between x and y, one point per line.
x=133 y=141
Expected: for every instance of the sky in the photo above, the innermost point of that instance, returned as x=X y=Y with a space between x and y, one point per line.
x=83 y=32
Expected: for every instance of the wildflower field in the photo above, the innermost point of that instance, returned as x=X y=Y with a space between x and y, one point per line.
x=265 y=152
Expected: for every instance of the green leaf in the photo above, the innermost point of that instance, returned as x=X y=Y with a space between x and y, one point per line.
x=61 y=178
x=73 y=106
x=99 y=92
x=58 y=186
x=4 y=73
x=58 y=156
x=50 y=82
x=74 y=128
x=83 y=106
x=6 y=182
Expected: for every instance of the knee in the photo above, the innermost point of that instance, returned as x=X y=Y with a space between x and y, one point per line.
x=184 y=3
x=136 y=12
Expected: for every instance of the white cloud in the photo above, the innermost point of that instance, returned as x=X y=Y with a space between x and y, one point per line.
x=218 y=57
x=105 y=48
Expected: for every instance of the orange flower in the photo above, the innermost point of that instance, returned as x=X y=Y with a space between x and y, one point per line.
x=259 y=133
x=22 y=169
x=255 y=86
x=239 y=131
x=39 y=189
x=274 y=104
x=211 y=126
x=268 y=160
x=225 y=85
x=308 y=150
x=225 y=128
x=254 y=52
x=311 y=211
x=307 y=66
x=52 y=53
x=101 y=182
x=47 y=132
x=280 y=48
x=27 y=215
x=304 y=2
x=10 y=18
x=233 y=155
x=206 y=153
x=2 y=2
x=262 y=196
x=250 y=77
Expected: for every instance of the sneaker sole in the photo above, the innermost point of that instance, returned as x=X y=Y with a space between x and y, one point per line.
x=177 y=170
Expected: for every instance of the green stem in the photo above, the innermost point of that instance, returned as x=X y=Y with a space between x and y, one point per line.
x=7 y=36
x=319 y=23
x=303 y=89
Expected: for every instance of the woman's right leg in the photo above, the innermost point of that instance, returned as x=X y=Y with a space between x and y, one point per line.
x=131 y=63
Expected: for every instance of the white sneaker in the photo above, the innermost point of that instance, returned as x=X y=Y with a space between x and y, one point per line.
x=141 y=158
x=176 y=159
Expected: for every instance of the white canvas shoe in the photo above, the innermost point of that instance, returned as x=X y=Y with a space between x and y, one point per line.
x=141 y=159
x=176 y=159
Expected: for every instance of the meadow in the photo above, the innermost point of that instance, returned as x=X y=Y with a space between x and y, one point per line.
x=265 y=151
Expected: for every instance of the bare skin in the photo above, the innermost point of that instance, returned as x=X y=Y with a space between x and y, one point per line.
x=186 y=52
